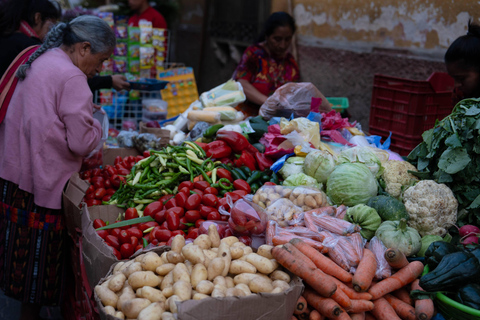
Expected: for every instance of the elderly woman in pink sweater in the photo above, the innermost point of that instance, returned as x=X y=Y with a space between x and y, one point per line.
x=47 y=129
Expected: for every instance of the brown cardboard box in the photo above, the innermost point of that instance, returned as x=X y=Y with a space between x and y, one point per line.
x=72 y=202
x=109 y=154
x=277 y=306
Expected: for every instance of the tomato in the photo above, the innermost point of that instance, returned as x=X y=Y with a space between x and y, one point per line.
x=93 y=202
x=224 y=217
x=96 y=172
x=86 y=174
x=210 y=200
x=124 y=236
x=170 y=203
x=115 y=180
x=102 y=233
x=214 y=215
x=180 y=199
x=98 y=182
x=135 y=232
x=183 y=224
x=117 y=254
x=100 y=193
x=193 y=202
x=112 y=241
x=211 y=190
x=139 y=247
x=228 y=231
x=186 y=184
x=160 y=216
x=235 y=196
x=268 y=183
x=205 y=210
x=192 y=234
x=201 y=185
x=90 y=196
x=115 y=232
x=245 y=240
x=122 y=172
x=126 y=250
x=98 y=223
x=192 y=216
x=163 y=235
x=110 y=170
x=164 y=225
x=134 y=241
x=146 y=154
x=222 y=202
x=198 y=223
x=138 y=158
x=152 y=208
x=147 y=225
x=111 y=191
x=107 y=184
x=173 y=220
x=241 y=193
x=118 y=159
x=131 y=213
x=178 y=211
x=184 y=190
x=107 y=197
x=147 y=237
x=178 y=232
x=198 y=191
x=90 y=189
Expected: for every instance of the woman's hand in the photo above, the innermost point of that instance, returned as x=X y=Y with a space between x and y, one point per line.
x=252 y=94
x=119 y=82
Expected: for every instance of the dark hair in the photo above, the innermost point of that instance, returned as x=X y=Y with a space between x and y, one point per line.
x=277 y=19
x=12 y=12
x=466 y=49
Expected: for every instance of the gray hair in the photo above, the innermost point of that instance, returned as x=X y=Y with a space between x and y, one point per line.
x=83 y=28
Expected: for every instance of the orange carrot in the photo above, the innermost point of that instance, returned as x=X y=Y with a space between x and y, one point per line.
x=297 y=253
x=383 y=310
x=315 y=315
x=404 y=295
x=300 y=306
x=359 y=306
x=399 y=279
x=283 y=238
x=352 y=294
x=325 y=306
x=424 y=309
x=342 y=299
x=403 y=310
x=362 y=279
x=318 y=280
x=304 y=315
x=395 y=258
x=270 y=232
x=322 y=262
x=358 y=316
x=369 y=316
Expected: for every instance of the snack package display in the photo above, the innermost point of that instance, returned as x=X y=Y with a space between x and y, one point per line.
x=246 y=218
x=106 y=96
x=120 y=49
x=383 y=268
x=146 y=31
x=134 y=51
x=147 y=56
x=119 y=64
x=107 y=17
x=107 y=67
x=121 y=31
x=134 y=35
x=133 y=65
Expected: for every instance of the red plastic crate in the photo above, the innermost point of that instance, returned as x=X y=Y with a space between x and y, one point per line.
x=402 y=146
x=407 y=108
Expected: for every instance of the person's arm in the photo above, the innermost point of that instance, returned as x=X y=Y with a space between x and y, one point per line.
x=100 y=82
x=252 y=94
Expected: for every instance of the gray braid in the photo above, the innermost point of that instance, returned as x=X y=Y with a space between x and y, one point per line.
x=53 y=39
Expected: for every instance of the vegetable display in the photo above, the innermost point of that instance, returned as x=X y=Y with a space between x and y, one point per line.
x=396 y=234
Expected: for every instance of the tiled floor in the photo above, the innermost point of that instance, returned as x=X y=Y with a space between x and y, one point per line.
x=10 y=310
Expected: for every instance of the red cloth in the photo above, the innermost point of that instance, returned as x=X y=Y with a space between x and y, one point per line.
x=27 y=30
x=158 y=21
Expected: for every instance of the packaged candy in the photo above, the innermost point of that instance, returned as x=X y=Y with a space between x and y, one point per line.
x=121 y=31
x=133 y=65
x=119 y=64
x=120 y=49
x=147 y=54
x=134 y=35
x=107 y=17
x=146 y=31
x=107 y=67
x=134 y=51
x=106 y=96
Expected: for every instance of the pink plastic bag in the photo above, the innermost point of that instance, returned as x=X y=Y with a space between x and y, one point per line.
x=271 y=140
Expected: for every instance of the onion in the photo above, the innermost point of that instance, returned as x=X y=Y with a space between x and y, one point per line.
x=467 y=230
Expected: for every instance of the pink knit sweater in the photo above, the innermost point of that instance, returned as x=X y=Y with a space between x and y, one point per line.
x=48 y=128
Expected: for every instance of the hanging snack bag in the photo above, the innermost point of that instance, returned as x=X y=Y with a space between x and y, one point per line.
x=146 y=31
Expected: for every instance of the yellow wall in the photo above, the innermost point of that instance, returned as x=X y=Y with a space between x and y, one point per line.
x=425 y=26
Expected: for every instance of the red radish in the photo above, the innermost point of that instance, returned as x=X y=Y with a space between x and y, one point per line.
x=473 y=239
x=468 y=229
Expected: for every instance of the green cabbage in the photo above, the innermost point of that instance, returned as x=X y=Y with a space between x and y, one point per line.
x=301 y=179
x=319 y=164
x=293 y=165
x=351 y=184
x=363 y=155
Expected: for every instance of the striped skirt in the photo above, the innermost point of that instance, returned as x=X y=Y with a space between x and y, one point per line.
x=32 y=248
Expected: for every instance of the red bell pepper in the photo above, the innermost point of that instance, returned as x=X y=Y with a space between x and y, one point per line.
x=248 y=160
x=218 y=149
x=235 y=140
x=202 y=145
x=226 y=160
x=263 y=161
x=224 y=173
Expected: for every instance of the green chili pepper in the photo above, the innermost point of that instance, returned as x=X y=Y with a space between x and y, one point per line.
x=246 y=170
x=189 y=168
x=147 y=162
x=225 y=184
x=256 y=175
x=205 y=176
x=127 y=223
x=212 y=130
x=146 y=193
x=274 y=178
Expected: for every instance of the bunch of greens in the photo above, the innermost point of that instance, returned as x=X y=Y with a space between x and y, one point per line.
x=450 y=154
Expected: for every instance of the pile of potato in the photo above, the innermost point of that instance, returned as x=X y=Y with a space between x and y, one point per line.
x=150 y=286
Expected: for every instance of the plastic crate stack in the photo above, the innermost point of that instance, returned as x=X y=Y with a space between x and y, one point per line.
x=407 y=108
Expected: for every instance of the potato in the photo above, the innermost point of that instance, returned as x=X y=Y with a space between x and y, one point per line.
x=183 y=290
x=172 y=305
x=164 y=256
x=107 y=296
x=107 y=281
x=116 y=282
x=180 y=272
x=247 y=250
x=239 y=266
x=281 y=284
x=168 y=316
x=247 y=277
x=260 y=284
x=286 y=192
x=262 y=205
x=224 y=253
x=168 y=292
x=164 y=269
x=204 y=287
x=280 y=275
x=265 y=251
x=203 y=241
x=220 y=281
x=209 y=256
x=151 y=261
x=244 y=288
x=119 y=315
x=218 y=292
x=134 y=267
x=320 y=199
x=200 y=296
x=118 y=266
x=310 y=201
x=199 y=273
x=234 y=292
x=262 y=264
x=214 y=250
x=236 y=252
x=178 y=243
x=143 y=278
x=139 y=258
x=262 y=197
x=152 y=312
x=256 y=198
x=277 y=290
x=127 y=294
x=138 y=293
x=167 y=281
x=152 y=294
x=132 y=308
x=214 y=236
x=215 y=268
x=109 y=310
x=238 y=244
x=189 y=266
x=174 y=257
x=229 y=282
x=194 y=254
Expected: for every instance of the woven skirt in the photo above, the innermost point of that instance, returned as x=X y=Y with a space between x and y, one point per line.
x=32 y=248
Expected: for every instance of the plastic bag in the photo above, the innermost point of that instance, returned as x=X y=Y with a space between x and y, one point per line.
x=283 y=211
x=125 y=138
x=222 y=228
x=272 y=140
x=309 y=130
x=247 y=218
x=293 y=97
x=341 y=211
x=276 y=235
x=198 y=131
x=318 y=220
x=146 y=141
x=229 y=93
x=346 y=251
x=383 y=268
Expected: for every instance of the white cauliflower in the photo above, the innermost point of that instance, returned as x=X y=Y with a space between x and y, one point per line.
x=432 y=207
x=397 y=178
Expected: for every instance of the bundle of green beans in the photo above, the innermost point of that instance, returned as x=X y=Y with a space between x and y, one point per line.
x=162 y=172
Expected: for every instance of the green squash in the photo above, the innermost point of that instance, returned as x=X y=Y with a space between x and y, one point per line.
x=388 y=208
x=396 y=234
x=365 y=217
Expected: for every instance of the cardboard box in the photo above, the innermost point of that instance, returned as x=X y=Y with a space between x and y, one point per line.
x=278 y=306
x=109 y=154
x=72 y=203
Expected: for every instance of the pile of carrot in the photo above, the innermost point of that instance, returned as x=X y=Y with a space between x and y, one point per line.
x=333 y=293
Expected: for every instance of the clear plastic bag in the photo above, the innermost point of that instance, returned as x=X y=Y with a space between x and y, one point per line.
x=308 y=130
x=346 y=251
x=319 y=220
x=283 y=211
x=125 y=138
x=277 y=235
x=383 y=268
x=146 y=141
x=247 y=218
